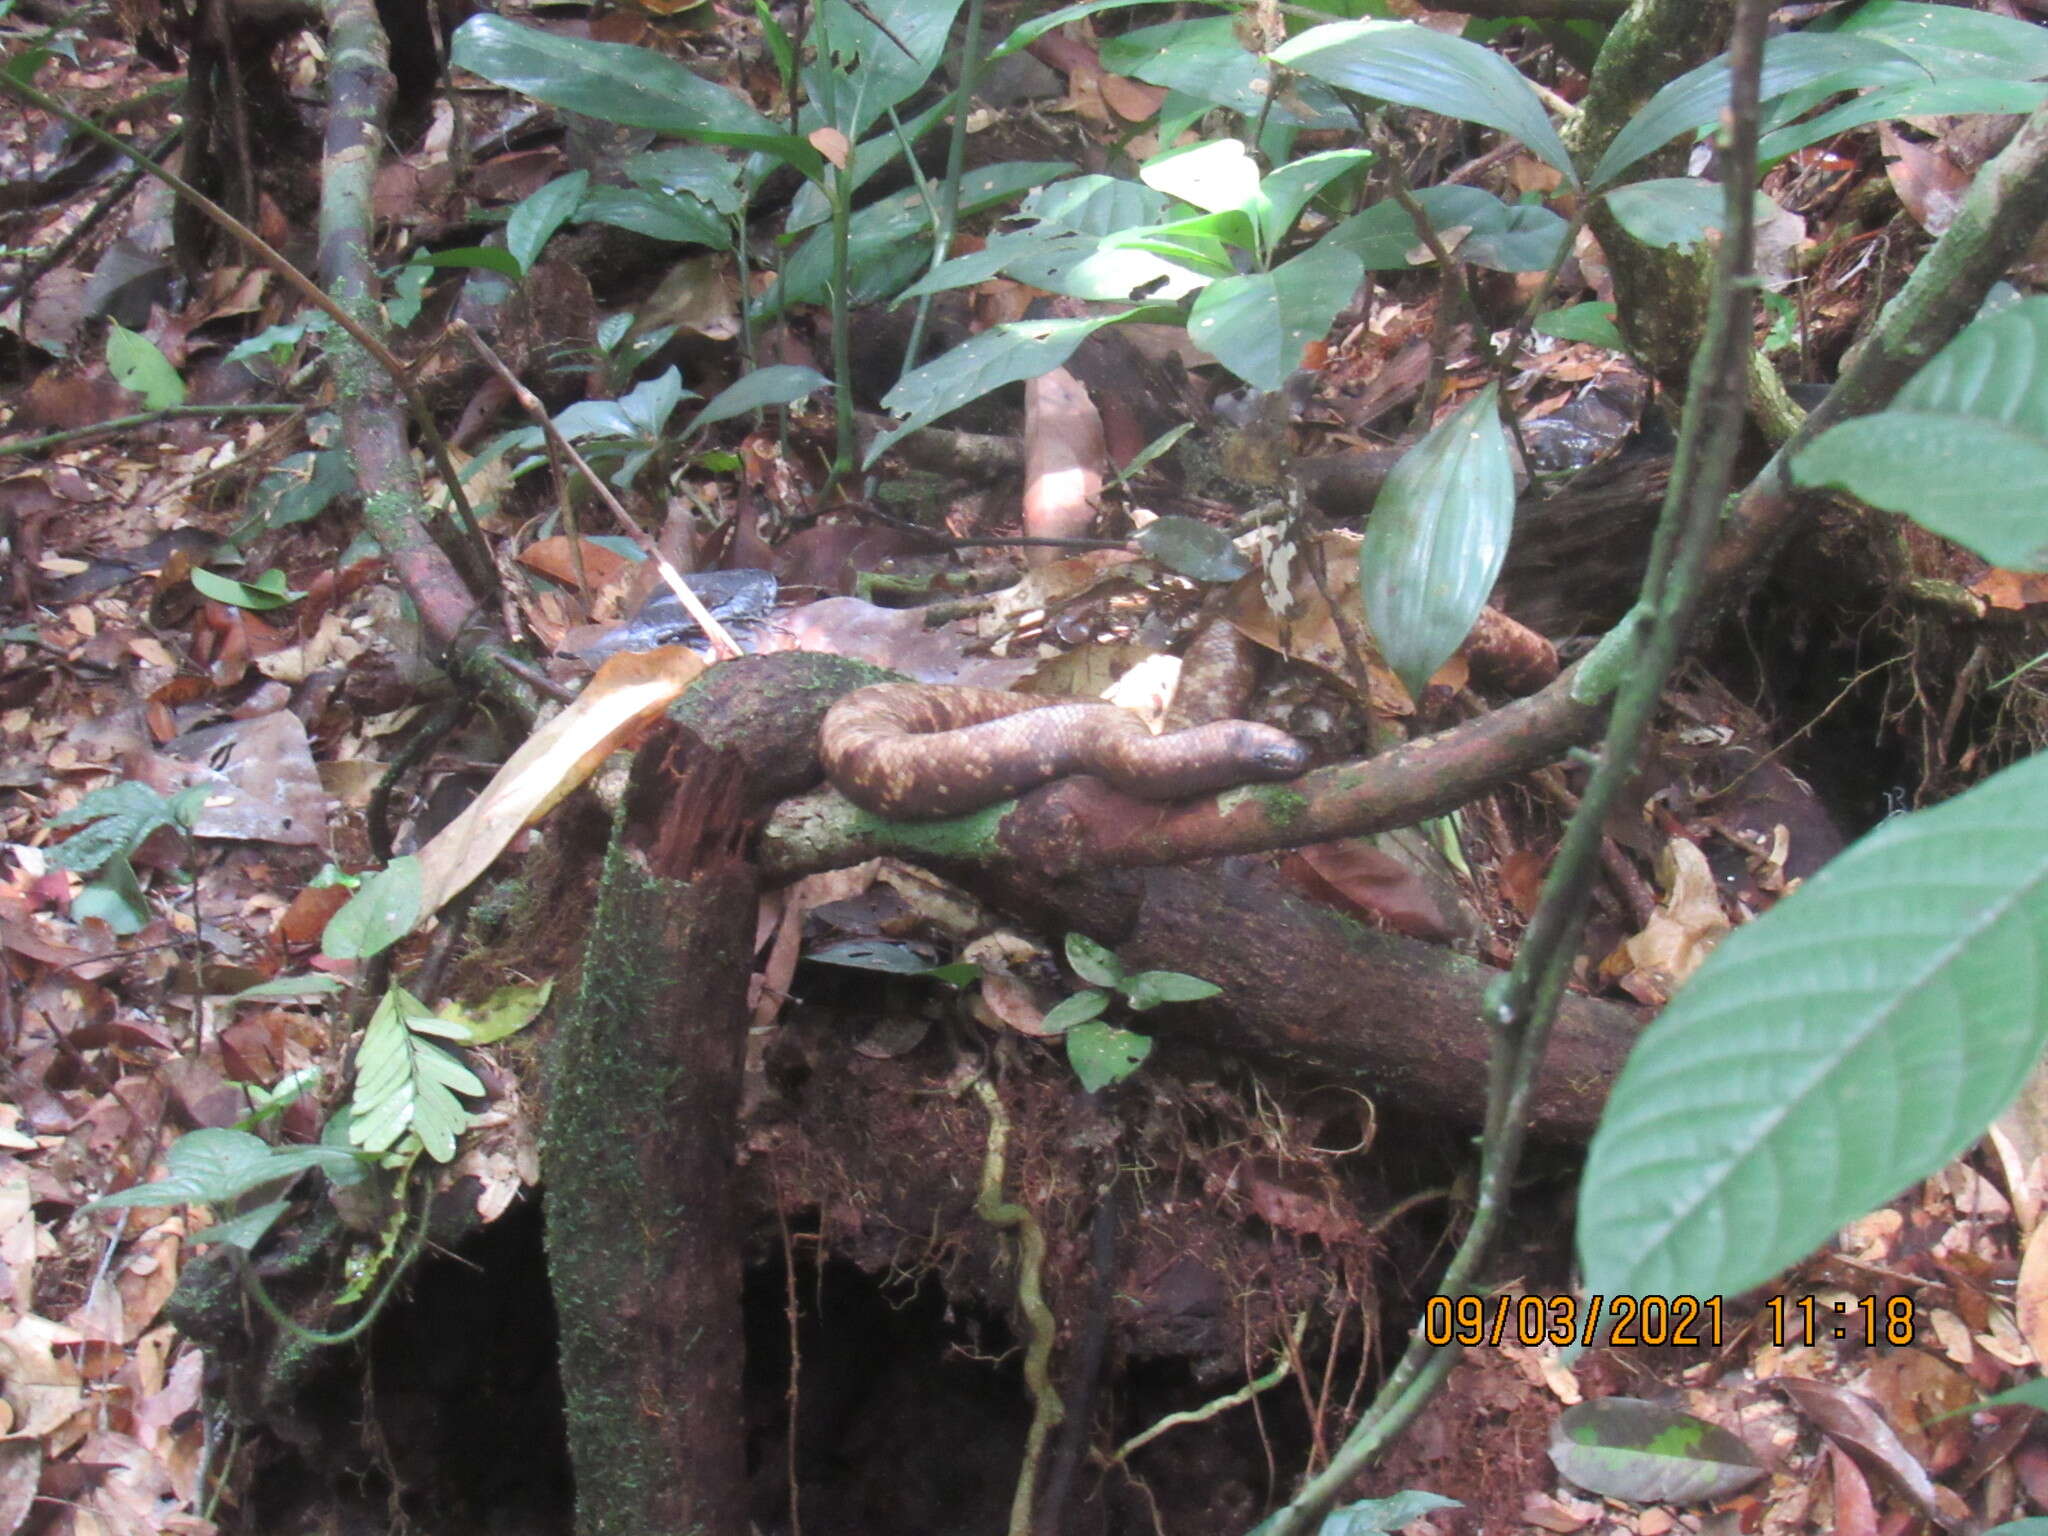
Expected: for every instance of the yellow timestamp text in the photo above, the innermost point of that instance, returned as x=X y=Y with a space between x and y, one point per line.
x=1621 y=1322
x=1869 y=1320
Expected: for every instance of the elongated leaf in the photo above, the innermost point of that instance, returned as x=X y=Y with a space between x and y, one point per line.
x=213 y=1166
x=1629 y=1449
x=1921 y=99
x=1189 y=548
x=1792 y=62
x=1504 y=237
x=1676 y=210
x=1002 y=354
x=618 y=83
x=1258 y=324
x=1436 y=540
x=690 y=170
x=1405 y=62
x=1214 y=176
x=1593 y=322
x=659 y=215
x=1029 y=32
x=1953 y=41
x=378 y=915
x=136 y=363
x=778 y=384
x=888 y=65
x=1287 y=191
x=1964 y=448
x=1203 y=59
x=1849 y=1041
x=1096 y=205
x=1094 y=962
x=405 y=1082
x=540 y=214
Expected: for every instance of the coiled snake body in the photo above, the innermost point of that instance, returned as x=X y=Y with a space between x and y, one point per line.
x=910 y=751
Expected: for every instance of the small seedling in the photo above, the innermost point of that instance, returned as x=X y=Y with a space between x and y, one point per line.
x=1102 y=1053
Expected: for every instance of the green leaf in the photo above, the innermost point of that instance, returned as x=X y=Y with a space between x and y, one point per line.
x=1675 y=210
x=891 y=955
x=1954 y=41
x=1031 y=31
x=1102 y=1054
x=1258 y=325
x=1623 y=1447
x=1851 y=1040
x=1192 y=549
x=244 y=1231
x=618 y=83
x=691 y=170
x=1094 y=962
x=406 y=1083
x=2030 y=1394
x=137 y=364
x=1069 y=1011
x=659 y=215
x=317 y=984
x=1436 y=540
x=1963 y=450
x=378 y=915
x=1890 y=102
x=1148 y=989
x=1163 y=443
x=1374 y=1517
x=1404 y=62
x=1593 y=322
x=1289 y=189
x=780 y=46
x=777 y=384
x=264 y=593
x=1202 y=58
x=879 y=69
x=2034 y=1525
x=116 y=817
x=1095 y=205
x=486 y=258
x=1215 y=176
x=1793 y=61
x=214 y=1167
x=1002 y=354
x=1505 y=237
x=115 y=898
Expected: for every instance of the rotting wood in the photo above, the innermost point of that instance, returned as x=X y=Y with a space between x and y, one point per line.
x=643 y=1100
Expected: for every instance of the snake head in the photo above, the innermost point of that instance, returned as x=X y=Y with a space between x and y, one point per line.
x=1273 y=754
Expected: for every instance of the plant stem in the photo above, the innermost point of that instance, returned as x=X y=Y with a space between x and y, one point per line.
x=1525 y=1001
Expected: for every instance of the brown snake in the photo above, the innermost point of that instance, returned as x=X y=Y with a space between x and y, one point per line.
x=910 y=751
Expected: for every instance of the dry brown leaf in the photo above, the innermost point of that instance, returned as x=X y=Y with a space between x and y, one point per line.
x=627 y=692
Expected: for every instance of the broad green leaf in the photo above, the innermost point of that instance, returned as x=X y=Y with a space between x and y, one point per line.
x=680 y=220
x=778 y=384
x=1436 y=540
x=1963 y=450
x=482 y=258
x=1095 y=205
x=690 y=170
x=890 y=955
x=315 y=984
x=996 y=256
x=618 y=83
x=378 y=915
x=1148 y=989
x=1094 y=962
x=244 y=1231
x=1102 y=1054
x=1257 y=325
x=1675 y=210
x=1216 y=176
x=1069 y=1011
x=136 y=363
x=1851 y=1040
x=1953 y=41
x=1889 y=102
x=1288 y=190
x=1593 y=322
x=115 y=899
x=1031 y=31
x=116 y=818
x=1109 y=270
x=1505 y=237
x=213 y=1167
x=266 y=592
x=1402 y=61
x=1373 y=1517
x=1793 y=61
x=879 y=68
x=1203 y=58
x=1625 y=1448
x=1191 y=549
x=1002 y=354
x=898 y=224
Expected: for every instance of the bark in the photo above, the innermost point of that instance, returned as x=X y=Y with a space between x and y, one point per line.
x=643 y=1246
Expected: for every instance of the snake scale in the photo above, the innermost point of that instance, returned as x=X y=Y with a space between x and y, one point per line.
x=909 y=751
